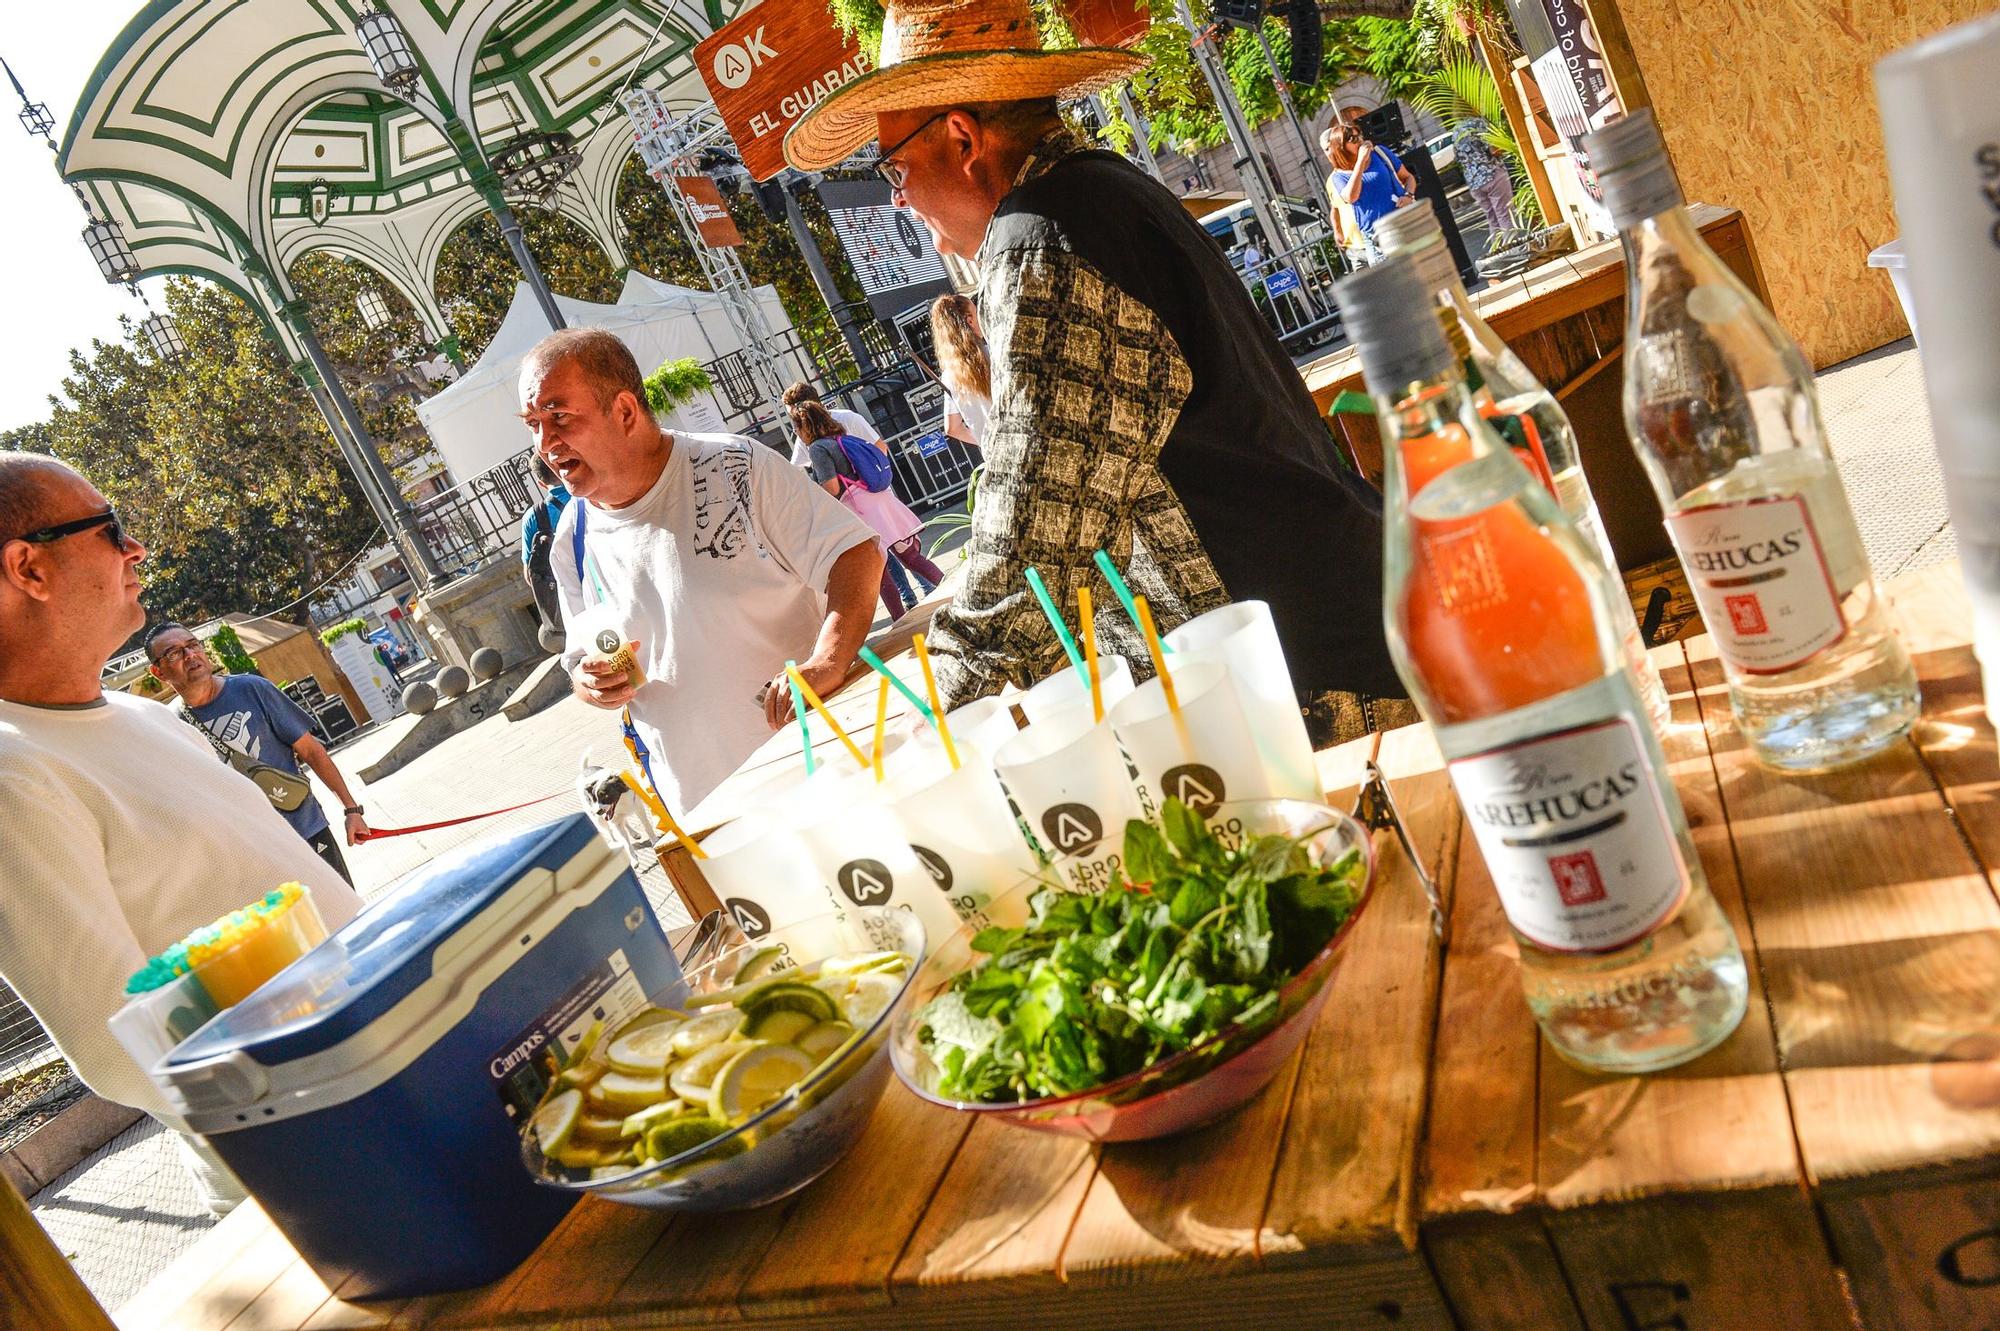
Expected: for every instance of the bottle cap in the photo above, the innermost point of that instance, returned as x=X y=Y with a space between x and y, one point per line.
x=1392 y=322
x=1630 y=160
x=1415 y=231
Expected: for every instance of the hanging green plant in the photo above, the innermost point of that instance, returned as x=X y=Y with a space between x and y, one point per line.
x=333 y=633
x=676 y=382
x=227 y=648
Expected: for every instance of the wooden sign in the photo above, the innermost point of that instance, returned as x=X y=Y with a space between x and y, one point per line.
x=769 y=66
x=711 y=214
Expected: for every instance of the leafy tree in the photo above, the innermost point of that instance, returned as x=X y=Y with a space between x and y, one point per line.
x=477 y=275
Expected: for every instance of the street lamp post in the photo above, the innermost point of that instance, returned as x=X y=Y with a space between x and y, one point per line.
x=375 y=311
x=388 y=50
x=164 y=337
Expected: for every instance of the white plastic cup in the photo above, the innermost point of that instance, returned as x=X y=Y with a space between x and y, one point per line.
x=600 y=631
x=761 y=873
x=1206 y=757
x=842 y=819
x=152 y=1023
x=1940 y=106
x=1242 y=636
x=1069 y=779
x=960 y=826
x=984 y=724
x=1068 y=689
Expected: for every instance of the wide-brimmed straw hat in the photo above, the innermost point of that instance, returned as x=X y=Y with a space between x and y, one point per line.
x=947 y=53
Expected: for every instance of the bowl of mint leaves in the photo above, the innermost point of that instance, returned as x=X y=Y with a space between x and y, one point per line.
x=1157 y=1004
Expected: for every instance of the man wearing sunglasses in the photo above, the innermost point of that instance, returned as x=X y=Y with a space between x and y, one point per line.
x=1141 y=404
x=121 y=830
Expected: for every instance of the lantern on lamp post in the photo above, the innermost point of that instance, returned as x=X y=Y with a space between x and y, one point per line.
x=389 y=51
x=164 y=336
x=375 y=311
x=106 y=242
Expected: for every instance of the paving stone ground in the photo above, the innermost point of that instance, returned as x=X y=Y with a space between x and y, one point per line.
x=126 y=1212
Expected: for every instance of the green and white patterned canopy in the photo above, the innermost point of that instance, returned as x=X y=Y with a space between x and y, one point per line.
x=207 y=123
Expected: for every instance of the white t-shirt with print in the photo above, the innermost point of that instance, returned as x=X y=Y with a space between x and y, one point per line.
x=123 y=833
x=852 y=422
x=719 y=574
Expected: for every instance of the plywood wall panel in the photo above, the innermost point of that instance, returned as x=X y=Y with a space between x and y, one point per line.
x=1769 y=106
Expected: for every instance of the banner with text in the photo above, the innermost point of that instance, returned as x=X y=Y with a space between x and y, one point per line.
x=711 y=214
x=890 y=250
x=769 y=66
x=1576 y=84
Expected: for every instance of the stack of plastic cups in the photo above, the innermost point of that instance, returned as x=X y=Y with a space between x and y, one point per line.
x=842 y=819
x=960 y=825
x=984 y=724
x=1202 y=754
x=765 y=880
x=1242 y=637
x=1069 y=778
x=1069 y=688
x=1940 y=104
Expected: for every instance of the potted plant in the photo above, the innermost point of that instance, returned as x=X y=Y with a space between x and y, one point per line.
x=675 y=383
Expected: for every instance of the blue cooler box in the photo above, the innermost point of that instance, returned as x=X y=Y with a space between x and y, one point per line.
x=370 y=1095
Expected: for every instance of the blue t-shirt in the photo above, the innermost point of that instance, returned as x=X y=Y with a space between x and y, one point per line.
x=549 y=511
x=1379 y=188
x=252 y=717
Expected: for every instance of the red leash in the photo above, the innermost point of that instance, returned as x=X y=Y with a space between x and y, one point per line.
x=377 y=832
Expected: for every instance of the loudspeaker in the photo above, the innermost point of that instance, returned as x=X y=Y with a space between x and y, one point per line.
x=1384 y=125
x=1239 y=13
x=1308 y=42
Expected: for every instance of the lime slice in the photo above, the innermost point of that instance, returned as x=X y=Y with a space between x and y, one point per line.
x=578 y=1156
x=587 y=1045
x=646 y=1051
x=759 y=964
x=690 y=1079
x=699 y=1032
x=824 y=1038
x=635 y=1125
x=858 y=962
x=579 y=1079
x=779 y=1025
x=681 y=1134
x=873 y=993
x=594 y=1129
x=789 y=996
x=622 y=1092
x=756 y=1077
x=556 y=1120
x=645 y=1017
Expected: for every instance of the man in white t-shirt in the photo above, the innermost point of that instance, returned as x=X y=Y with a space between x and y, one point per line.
x=717 y=558
x=123 y=830
x=853 y=422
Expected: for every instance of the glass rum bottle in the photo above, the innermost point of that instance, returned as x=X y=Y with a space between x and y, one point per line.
x=1501 y=621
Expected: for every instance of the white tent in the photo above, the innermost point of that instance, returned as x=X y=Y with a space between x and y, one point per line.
x=476 y=422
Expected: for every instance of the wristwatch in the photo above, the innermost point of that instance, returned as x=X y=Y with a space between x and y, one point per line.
x=352 y=810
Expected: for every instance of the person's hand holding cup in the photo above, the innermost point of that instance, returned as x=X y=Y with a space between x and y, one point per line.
x=609 y=673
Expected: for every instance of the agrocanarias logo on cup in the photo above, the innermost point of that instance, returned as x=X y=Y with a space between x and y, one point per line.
x=866 y=882
x=735 y=62
x=1073 y=829
x=1196 y=785
x=750 y=917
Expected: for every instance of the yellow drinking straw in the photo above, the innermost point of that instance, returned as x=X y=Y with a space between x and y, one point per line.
x=937 y=705
x=659 y=812
x=881 y=725
x=860 y=758
x=1087 y=621
x=1159 y=657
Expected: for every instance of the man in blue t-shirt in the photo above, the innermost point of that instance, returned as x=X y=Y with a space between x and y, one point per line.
x=248 y=713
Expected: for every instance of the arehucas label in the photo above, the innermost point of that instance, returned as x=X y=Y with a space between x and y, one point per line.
x=1761 y=580
x=1575 y=835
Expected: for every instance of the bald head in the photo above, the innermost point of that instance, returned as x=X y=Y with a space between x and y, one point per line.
x=603 y=360
x=31 y=487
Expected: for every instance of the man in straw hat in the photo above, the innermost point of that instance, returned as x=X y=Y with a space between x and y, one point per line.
x=1140 y=403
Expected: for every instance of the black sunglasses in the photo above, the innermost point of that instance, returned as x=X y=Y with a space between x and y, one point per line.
x=896 y=172
x=108 y=520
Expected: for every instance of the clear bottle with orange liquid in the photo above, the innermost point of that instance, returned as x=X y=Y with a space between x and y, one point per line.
x=1502 y=623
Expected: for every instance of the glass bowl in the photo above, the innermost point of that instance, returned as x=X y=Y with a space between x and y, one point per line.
x=1198 y=1085
x=802 y=1134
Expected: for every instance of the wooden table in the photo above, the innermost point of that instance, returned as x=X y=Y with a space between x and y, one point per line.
x=1425 y=1161
x=1566 y=320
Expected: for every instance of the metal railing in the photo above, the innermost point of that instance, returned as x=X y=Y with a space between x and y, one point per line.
x=1294 y=292
x=931 y=468
x=473 y=521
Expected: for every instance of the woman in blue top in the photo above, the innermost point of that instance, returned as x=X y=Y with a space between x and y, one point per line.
x=1372 y=180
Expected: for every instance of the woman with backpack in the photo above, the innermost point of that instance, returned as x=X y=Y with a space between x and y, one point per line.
x=857 y=473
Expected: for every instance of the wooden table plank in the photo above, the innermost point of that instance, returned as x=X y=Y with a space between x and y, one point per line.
x=1719 y=1124
x=841 y=1243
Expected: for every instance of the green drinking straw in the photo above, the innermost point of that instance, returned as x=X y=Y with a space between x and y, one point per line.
x=596 y=579
x=1041 y=591
x=875 y=663
x=1121 y=591
x=799 y=710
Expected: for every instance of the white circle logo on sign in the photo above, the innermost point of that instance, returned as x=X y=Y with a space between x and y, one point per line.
x=732 y=66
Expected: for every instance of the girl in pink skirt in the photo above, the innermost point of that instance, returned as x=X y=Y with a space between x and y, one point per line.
x=900 y=529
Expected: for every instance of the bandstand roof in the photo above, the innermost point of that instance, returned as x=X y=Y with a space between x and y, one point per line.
x=206 y=124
